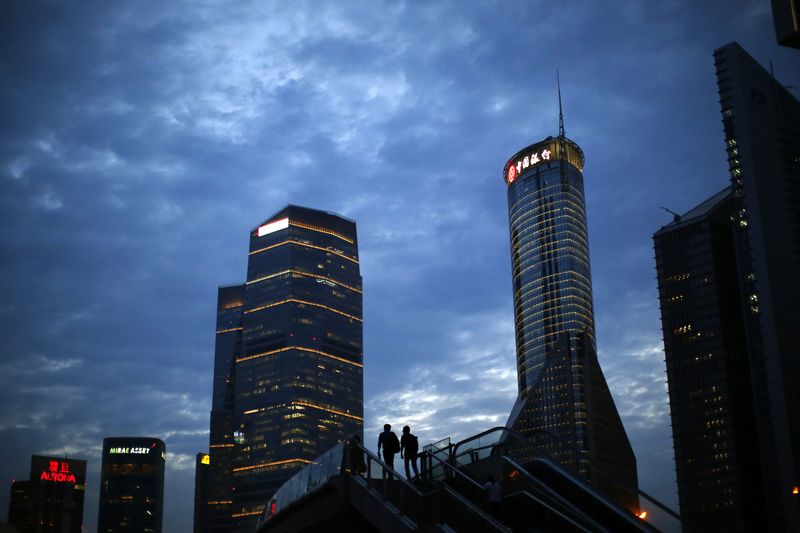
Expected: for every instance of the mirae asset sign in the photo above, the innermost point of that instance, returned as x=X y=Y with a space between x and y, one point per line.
x=515 y=170
x=135 y=451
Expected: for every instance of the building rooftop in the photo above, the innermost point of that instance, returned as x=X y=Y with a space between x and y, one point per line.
x=699 y=211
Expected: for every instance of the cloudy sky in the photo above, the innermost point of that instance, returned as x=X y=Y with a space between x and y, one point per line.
x=141 y=141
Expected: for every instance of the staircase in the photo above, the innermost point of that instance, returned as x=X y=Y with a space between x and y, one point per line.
x=350 y=489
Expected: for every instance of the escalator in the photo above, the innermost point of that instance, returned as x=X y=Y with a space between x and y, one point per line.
x=542 y=495
x=534 y=509
x=555 y=493
x=350 y=489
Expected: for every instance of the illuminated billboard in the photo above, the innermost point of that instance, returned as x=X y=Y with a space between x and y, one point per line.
x=125 y=449
x=542 y=152
x=272 y=227
x=58 y=470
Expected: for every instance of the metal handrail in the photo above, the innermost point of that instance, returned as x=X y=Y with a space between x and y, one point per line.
x=607 y=474
x=562 y=500
x=386 y=467
x=457 y=471
x=536 y=498
x=552 y=509
x=453 y=453
x=464 y=501
x=463 y=498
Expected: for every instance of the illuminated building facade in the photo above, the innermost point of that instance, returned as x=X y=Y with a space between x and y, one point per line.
x=52 y=499
x=727 y=273
x=564 y=406
x=761 y=121
x=132 y=485
x=217 y=514
x=717 y=457
x=288 y=367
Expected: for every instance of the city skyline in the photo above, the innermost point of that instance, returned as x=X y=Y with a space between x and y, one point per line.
x=140 y=144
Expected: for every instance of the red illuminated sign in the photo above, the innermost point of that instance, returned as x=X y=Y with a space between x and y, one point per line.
x=517 y=166
x=58 y=471
x=512 y=174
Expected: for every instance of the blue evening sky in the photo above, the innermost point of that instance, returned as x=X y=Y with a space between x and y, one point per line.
x=141 y=141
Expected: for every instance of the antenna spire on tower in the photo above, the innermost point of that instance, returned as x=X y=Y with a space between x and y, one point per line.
x=561 y=132
x=562 y=141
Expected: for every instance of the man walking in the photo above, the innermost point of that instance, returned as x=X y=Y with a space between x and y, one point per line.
x=409 y=447
x=390 y=444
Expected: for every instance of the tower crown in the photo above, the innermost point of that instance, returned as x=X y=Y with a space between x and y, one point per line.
x=548 y=150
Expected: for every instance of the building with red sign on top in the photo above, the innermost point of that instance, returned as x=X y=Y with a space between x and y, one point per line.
x=564 y=408
x=52 y=499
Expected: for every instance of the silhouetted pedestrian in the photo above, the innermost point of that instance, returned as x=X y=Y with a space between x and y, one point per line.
x=409 y=447
x=494 y=497
x=390 y=444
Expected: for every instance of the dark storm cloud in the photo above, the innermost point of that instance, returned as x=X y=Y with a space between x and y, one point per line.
x=141 y=141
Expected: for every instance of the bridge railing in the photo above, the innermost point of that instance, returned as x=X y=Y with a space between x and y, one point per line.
x=501 y=440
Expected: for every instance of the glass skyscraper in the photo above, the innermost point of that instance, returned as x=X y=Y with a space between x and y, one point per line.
x=288 y=380
x=711 y=402
x=216 y=515
x=728 y=288
x=564 y=407
x=761 y=123
x=132 y=485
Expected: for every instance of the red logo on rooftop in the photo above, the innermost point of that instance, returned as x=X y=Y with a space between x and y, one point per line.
x=512 y=174
x=61 y=474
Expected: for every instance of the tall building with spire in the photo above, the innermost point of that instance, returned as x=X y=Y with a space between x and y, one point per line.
x=288 y=382
x=564 y=407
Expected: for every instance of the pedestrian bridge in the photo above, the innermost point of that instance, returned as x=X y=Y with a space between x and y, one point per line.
x=349 y=488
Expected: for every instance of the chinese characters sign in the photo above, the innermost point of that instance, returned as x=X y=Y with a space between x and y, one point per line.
x=59 y=470
x=516 y=168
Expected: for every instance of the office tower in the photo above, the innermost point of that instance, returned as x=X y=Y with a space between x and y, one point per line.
x=727 y=274
x=564 y=407
x=786 y=14
x=132 y=485
x=52 y=499
x=288 y=379
x=716 y=450
x=761 y=121
x=201 y=480
x=228 y=344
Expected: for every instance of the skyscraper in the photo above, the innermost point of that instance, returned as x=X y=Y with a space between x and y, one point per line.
x=564 y=406
x=761 y=121
x=52 y=499
x=132 y=485
x=217 y=513
x=728 y=283
x=288 y=366
x=711 y=403
x=201 y=481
